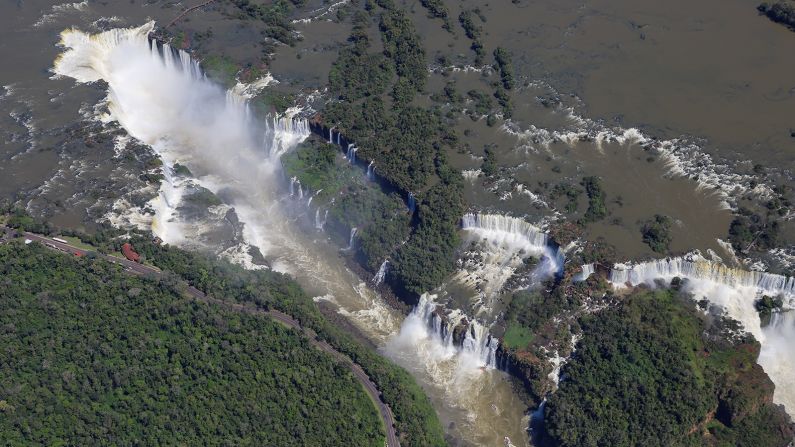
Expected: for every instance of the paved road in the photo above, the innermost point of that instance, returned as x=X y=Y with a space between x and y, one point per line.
x=140 y=269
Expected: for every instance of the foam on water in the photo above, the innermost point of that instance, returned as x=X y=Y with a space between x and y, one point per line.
x=161 y=98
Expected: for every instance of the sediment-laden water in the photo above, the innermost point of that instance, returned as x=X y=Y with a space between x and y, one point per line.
x=161 y=97
x=75 y=152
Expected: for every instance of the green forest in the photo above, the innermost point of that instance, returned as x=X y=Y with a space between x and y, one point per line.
x=374 y=92
x=655 y=371
x=416 y=421
x=95 y=356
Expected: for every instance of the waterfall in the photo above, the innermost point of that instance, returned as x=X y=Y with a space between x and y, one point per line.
x=506 y=231
x=379 y=276
x=331 y=135
x=412 y=203
x=283 y=132
x=370 y=171
x=587 y=271
x=696 y=267
x=339 y=134
x=161 y=98
x=735 y=291
x=351 y=154
x=478 y=349
x=498 y=248
x=165 y=102
x=351 y=240
x=778 y=357
x=320 y=223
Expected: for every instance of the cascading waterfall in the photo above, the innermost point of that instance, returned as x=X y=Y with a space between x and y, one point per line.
x=412 y=202
x=351 y=240
x=696 y=267
x=162 y=98
x=351 y=154
x=778 y=357
x=371 y=171
x=587 y=271
x=736 y=291
x=331 y=135
x=164 y=101
x=506 y=231
x=499 y=247
x=477 y=349
x=379 y=276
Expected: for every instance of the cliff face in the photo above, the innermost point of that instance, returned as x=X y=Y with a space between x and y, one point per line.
x=530 y=370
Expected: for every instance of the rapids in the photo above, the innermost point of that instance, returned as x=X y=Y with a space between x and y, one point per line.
x=161 y=97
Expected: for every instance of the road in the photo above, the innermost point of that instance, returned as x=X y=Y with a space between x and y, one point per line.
x=145 y=270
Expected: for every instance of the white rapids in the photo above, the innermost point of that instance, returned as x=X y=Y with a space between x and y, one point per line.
x=162 y=98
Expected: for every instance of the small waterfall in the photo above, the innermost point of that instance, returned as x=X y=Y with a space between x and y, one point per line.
x=331 y=135
x=320 y=223
x=295 y=188
x=412 y=203
x=587 y=271
x=351 y=154
x=339 y=134
x=371 y=171
x=379 y=276
x=351 y=240
x=537 y=422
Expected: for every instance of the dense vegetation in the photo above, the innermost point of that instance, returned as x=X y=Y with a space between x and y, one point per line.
x=597 y=209
x=655 y=372
x=405 y=142
x=657 y=233
x=416 y=420
x=503 y=63
x=782 y=12
x=93 y=356
x=473 y=31
x=382 y=220
x=274 y=15
x=437 y=8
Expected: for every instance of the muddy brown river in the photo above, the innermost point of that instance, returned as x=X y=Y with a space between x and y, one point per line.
x=671 y=104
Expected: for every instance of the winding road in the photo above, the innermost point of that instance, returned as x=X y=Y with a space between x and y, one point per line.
x=145 y=270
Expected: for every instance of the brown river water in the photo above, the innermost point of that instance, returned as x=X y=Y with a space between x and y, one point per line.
x=712 y=73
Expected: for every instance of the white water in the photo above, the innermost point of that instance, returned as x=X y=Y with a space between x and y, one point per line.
x=379 y=276
x=735 y=291
x=465 y=372
x=497 y=247
x=778 y=357
x=587 y=271
x=162 y=99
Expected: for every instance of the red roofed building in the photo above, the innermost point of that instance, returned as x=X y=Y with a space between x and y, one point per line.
x=129 y=253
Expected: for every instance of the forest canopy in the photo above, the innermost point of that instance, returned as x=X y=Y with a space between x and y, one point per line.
x=93 y=356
